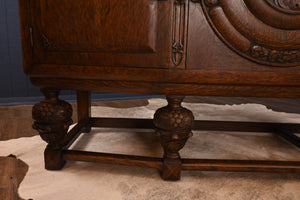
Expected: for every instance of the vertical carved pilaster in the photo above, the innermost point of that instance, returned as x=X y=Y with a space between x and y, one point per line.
x=174 y=124
x=179 y=23
x=52 y=119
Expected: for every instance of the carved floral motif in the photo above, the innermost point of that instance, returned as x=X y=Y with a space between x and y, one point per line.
x=174 y=124
x=286 y=4
x=237 y=34
x=265 y=54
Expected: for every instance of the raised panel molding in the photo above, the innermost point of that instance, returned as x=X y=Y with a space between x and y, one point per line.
x=73 y=33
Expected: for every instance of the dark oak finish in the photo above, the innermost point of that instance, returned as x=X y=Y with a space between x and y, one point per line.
x=234 y=48
x=241 y=165
x=52 y=119
x=64 y=33
x=84 y=105
x=174 y=125
x=139 y=161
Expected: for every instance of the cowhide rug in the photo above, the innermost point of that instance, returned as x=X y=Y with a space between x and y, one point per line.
x=94 y=181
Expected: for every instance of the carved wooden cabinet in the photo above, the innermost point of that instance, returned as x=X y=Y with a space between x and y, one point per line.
x=172 y=47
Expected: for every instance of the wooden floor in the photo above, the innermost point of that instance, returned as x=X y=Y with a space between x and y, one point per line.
x=15 y=122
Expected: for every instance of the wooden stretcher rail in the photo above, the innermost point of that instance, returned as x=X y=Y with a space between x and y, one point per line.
x=241 y=165
x=283 y=129
x=73 y=134
x=187 y=164
x=198 y=125
x=130 y=160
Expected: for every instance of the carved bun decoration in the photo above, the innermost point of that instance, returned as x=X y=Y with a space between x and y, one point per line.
x=52 y=118
x=174 y=124
x=264 y=31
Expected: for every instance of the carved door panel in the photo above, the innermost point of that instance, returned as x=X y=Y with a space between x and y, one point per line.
x=245 y=34
x=135 y=33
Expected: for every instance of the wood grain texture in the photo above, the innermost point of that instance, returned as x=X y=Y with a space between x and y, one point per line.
x=82 y=34
x=224 y=23
x=85 y=22
x=278 y=76
x=84 y=105
x=274 y=17
x=52 y=118
x=255 y=37
x=170 y=88
x=174 y=48
x=174 y=125
x=206 y=61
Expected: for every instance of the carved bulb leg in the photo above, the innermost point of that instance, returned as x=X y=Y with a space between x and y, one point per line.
x=174 y=124
x=52 y=120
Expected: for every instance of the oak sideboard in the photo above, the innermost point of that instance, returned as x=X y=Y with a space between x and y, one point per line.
x=236 y=48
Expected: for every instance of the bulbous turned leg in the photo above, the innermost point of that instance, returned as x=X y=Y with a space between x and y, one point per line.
x=52 y=120
x=174 y=124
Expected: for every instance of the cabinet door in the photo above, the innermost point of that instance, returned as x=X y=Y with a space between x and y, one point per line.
x=134 y=33
x=247 y=35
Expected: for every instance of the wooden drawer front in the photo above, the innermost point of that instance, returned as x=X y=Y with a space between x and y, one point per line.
x=102 y=32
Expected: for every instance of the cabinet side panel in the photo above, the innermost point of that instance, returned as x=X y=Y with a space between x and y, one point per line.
x=25 y=25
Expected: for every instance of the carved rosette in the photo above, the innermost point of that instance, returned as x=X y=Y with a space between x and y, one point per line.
x=174 y=124
x=52 y=118
x=264 y=31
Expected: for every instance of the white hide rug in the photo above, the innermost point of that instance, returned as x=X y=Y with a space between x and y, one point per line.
x=94 y=181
